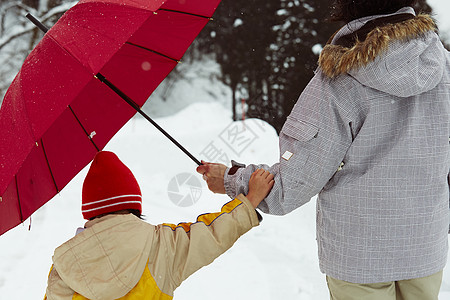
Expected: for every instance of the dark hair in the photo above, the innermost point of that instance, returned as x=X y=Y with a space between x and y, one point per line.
x=137 y=213
x=349 y=10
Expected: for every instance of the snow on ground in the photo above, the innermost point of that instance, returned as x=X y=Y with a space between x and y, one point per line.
x=181 y=88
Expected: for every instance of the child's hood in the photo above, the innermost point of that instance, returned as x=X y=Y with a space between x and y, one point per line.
x=106 y=260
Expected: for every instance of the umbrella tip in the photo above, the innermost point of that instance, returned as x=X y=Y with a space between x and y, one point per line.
x=36 y=22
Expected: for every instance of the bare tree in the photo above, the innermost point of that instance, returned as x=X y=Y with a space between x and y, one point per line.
x=18 y=35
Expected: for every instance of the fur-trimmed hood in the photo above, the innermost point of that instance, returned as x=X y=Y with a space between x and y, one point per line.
x=402 y=58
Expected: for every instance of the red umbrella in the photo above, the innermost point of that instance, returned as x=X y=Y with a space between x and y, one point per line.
x=87 y=77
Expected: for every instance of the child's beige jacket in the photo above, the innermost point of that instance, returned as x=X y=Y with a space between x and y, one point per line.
x=120 y=256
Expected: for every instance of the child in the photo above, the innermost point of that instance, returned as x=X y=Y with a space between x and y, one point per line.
x=119 y=256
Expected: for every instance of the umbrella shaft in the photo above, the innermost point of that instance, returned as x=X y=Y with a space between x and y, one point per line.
x=168 y=136
x=139 y=110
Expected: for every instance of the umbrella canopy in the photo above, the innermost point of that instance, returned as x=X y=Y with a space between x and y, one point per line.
x=67 y=101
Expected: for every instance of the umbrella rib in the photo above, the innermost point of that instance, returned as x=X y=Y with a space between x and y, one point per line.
x=153 y=51
x=185 y=13
x=48 y=165
x=18 y=199
x=82 y=127
x=136 y=107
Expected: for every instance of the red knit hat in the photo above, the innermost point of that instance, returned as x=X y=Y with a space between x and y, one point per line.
x=109 y=186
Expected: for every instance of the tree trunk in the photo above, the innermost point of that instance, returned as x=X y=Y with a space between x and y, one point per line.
x=234 y=102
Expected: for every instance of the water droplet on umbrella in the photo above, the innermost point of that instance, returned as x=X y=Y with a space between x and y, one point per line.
x=146 y=66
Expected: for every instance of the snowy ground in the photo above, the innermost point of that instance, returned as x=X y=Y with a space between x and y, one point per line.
x=276 y=260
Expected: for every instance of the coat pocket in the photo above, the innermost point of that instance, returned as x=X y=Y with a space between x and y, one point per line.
x=297 y=141
x=299 y=130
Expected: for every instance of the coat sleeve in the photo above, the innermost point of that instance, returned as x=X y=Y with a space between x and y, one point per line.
x=313 y=143
x=56 y=288
x=186 y=247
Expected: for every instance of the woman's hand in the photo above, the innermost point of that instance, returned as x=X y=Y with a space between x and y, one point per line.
x=213 y=174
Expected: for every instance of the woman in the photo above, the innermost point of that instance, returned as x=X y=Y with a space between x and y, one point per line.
x=370 y=136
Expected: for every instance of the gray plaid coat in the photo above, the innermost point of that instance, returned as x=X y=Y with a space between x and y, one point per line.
x=370 y=136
